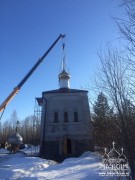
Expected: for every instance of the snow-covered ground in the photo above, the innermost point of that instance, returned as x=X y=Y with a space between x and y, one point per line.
x=20 y=166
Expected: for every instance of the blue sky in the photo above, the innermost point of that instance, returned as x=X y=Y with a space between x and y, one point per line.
x=29 y=27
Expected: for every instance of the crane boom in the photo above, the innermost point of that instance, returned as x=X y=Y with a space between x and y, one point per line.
x=18 y=87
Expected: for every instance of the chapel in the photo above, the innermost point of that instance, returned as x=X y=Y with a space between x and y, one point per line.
x=65 y=120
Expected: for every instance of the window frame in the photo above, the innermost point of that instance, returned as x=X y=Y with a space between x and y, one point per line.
x=66 y=116
x=76 y=119
x=56 y=117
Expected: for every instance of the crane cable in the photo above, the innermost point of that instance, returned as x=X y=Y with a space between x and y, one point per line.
x=63 y=54
x=63 y=47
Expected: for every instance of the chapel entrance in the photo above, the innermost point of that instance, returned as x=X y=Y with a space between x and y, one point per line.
x=67 y=149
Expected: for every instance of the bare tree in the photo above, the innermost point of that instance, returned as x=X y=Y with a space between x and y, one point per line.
x=30 y=130
x=115 y=81
x=13 y=119
x=127 y=29
x=6 y=130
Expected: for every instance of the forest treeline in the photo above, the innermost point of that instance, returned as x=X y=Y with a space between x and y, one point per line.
x=29 y=129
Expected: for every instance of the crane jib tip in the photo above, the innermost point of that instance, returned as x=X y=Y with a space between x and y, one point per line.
x=62 y=35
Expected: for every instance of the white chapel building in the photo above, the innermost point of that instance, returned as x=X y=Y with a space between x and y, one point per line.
x=65 y=120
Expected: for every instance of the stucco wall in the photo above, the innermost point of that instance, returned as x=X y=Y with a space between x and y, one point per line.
x=76 y=131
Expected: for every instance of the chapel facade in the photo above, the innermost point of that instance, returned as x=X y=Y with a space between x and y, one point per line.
x=65 y=120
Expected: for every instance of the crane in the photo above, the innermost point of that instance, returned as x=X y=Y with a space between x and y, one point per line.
x=18 y=87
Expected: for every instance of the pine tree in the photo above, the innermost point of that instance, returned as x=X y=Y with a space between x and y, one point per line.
x=103 y=122
x=101 y=107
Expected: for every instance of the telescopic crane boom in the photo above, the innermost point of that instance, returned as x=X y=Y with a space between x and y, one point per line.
x=18 y=87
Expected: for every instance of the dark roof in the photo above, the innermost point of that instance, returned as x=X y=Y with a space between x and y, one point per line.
x=64 y=90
